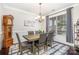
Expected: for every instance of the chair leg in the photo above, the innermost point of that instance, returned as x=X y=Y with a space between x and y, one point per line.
x=18 y=53
x=51 y=44
x=44 y=48
x=21 y=51
x=38 y=50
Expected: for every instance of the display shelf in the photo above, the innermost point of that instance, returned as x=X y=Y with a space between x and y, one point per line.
x=76 y=36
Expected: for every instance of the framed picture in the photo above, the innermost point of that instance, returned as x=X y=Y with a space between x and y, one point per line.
x=29 y=23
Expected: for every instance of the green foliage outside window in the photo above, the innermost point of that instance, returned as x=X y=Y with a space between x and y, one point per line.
x=61 y=24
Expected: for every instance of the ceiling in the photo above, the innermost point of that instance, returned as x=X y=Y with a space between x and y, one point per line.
x=34 y=7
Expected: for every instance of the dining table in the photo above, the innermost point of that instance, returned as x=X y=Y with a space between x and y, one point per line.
x=32 y=38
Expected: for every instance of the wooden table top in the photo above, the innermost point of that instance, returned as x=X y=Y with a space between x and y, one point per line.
x=32 y=37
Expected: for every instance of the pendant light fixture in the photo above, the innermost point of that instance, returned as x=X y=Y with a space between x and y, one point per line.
x=40 y=13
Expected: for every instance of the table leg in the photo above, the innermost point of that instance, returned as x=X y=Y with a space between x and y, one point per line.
x=46 y=45
x=33 y=48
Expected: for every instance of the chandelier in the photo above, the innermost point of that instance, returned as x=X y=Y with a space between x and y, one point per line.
x=41 y=18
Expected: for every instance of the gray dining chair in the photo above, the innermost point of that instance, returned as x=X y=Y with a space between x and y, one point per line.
x=50 y=39
x=41 y=42
x=30 y=32
x=37 y=32
x=23 y=45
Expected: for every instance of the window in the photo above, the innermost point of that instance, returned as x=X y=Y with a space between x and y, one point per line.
x=52 y=23
x=58 y=23
x=61 y=24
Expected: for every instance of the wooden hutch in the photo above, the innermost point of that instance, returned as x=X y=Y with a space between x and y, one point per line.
x=7 y=24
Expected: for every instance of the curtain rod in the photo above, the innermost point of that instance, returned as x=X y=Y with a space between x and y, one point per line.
x=55 y=12
x=59 y=11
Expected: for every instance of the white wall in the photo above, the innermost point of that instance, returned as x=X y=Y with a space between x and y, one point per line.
x=19 y=17
x=75 y=14
x=0 y=26
x=0 y=18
